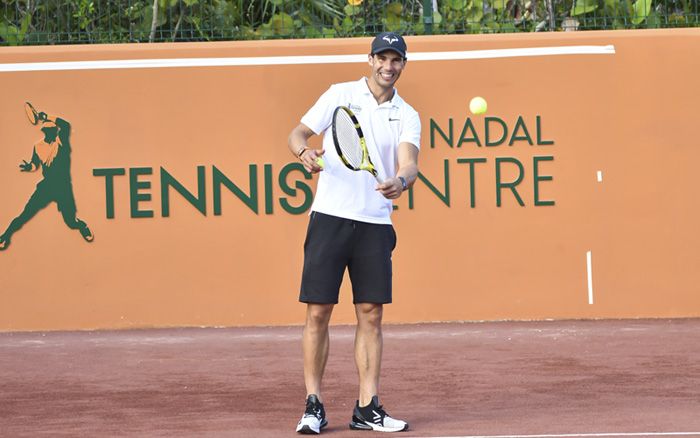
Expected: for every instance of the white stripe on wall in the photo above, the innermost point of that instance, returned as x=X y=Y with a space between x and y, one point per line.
x=298 y=60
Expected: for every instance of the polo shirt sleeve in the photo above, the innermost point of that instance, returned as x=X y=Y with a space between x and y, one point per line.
x=320 y=116
x=410 y=132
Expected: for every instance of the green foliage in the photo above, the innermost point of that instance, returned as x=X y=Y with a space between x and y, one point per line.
x=114 y=21
x=584 y=6
x=13 y=35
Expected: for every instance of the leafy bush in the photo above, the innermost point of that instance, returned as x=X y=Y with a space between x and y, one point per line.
x=115 y=21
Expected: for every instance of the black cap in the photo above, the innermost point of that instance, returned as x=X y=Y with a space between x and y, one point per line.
x=389 y=41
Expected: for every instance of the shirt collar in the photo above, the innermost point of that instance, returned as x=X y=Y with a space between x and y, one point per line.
x=363 y=88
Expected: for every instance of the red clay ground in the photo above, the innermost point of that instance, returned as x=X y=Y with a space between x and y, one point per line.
x=573 y=377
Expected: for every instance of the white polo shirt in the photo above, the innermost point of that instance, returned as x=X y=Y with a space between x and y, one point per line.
x=351 y=194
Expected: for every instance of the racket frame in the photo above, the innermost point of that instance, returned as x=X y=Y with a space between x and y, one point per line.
x=32 y=114
x=366 y=161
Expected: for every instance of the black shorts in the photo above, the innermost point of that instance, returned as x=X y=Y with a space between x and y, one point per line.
x=334 y=243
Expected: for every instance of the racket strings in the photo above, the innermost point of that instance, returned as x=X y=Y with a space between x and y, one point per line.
x=348 y=139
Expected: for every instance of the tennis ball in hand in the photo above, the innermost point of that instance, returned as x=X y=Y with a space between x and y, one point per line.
x=319 y=161
x=477 y=105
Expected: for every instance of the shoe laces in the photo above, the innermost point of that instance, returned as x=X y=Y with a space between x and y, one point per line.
x=313 y=410
x=376 y=413
x=380 y=410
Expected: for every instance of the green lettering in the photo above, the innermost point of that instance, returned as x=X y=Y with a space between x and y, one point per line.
x=167 y=181
x=250 y=200
x=445 y=198
x=487 y=131
x=537 y=178
x=109 y=175
x=434 y=127
x=299 y=185
x=134 y=188
x=472 y=179
x=520 y=124
x=511 y=185
x=267 y=171
x=539 y=134
x=468 y=126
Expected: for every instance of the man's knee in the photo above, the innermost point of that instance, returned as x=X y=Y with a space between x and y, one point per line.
x=369 y=314
x=318 y=315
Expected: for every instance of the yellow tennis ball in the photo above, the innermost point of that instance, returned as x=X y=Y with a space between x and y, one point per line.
x=319 y=161
x=355 y=2
x=478 y=105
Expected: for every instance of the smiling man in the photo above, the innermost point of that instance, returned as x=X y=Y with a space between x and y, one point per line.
x=350 y=227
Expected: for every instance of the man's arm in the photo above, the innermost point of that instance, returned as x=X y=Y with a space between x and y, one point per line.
x=63 y=126
x=63 y=130
x=32 y=165
x=298 y=145
x=408 y=170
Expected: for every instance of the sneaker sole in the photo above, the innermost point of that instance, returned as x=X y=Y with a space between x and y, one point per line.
x=369 y=426
x=306 y=430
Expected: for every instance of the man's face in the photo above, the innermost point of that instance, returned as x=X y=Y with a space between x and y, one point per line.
x=386 y=67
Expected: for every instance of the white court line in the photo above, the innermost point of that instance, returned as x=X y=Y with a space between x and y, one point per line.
x=599 y=174
x=581 y=435
x=589 y=270
x=297 y=60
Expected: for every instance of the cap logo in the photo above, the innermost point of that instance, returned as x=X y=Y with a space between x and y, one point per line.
x=390 y=40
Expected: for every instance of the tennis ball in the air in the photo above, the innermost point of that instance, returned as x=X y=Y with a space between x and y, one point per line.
x=477 y=105
x=319 y=161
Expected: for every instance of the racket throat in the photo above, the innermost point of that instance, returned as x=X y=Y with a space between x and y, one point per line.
x=369 y=167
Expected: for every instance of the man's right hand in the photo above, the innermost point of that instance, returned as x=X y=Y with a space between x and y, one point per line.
x=309 y=159
x=26 y=167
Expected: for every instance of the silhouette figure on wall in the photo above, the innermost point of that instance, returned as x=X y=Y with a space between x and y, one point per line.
x=52 y=154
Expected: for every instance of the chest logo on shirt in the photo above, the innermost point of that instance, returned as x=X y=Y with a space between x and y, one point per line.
x=355 y=108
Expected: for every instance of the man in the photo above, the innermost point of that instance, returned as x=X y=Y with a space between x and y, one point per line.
x=350 y=226
x=52 y=154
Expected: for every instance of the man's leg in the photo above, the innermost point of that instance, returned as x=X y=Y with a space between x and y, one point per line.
x=369 y=414
x=315 y=343
x=368 y=349
x=66 y=205
x=37 y=201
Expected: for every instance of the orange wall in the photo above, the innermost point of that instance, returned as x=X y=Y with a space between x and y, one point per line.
x=631 y=116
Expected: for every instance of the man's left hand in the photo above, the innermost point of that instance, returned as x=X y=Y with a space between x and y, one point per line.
x=26 y=167
x=391 y=188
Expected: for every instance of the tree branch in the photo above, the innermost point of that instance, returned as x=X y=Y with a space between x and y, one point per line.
x=154 y=22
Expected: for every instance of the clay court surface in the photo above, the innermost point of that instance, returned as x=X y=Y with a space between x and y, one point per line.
x=572 y=378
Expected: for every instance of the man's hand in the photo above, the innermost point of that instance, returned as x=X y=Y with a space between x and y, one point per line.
x=43 y=116
x=26 y=167
x=308 y=159
x=391 y=188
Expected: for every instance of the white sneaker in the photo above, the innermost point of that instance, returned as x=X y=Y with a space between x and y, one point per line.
x=374 y=417
x=314 y=418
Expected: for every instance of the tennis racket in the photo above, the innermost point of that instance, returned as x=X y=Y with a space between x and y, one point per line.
x=32 y=114
x=350 y=142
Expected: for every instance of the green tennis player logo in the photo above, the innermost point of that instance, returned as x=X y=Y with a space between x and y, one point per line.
x=52 y=154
